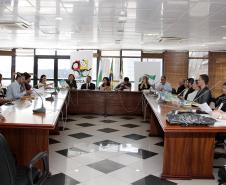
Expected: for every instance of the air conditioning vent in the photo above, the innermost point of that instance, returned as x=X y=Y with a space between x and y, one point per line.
x=170 y=39
x=14 y=25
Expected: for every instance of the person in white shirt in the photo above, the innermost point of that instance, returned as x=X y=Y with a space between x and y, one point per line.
x=196 y=88
x=16 y=89
x=164 y=85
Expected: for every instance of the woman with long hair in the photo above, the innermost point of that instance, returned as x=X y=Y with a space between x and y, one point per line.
x=144 y=84
x=106 y=85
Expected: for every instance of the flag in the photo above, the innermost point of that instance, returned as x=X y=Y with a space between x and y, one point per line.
x=111 y=72
x=152 y=77
x=99 y=78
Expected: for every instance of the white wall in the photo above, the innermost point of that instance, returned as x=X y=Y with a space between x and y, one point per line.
x=150 y=68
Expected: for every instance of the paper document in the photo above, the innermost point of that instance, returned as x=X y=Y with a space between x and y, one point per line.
x=205 y=107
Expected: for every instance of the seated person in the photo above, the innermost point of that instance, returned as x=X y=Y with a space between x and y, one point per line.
x=220 y=102
x=123 y=86
x=163 y=85
x=219 y=114
x=190 y=83
x=181 y=86
x=88 y=85
x=71 y=82
x=106 y=85
x=182 y=94
x=144 y=84
x=43 y=82
x=16 y=89
x=2 y=90
x=2 y=118
x=220 y=137
x=204 y=94
x=3 y=101
x=191 y=96
x=27 y=81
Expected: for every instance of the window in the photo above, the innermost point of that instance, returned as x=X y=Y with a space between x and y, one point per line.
x=64 y=52
x=131 y=53
x=24 y=64
x=198 y=64
x=94 y=69
x=6 y=83
x=198 y=54
x=110 y=53
x=128 y=67
x=45 y=52
x=46 y=67
x=106 y=63
x=6 y=61
x=64 y=68
x=197 y=67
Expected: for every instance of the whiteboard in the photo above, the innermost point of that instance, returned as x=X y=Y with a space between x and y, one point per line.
x=150 y=68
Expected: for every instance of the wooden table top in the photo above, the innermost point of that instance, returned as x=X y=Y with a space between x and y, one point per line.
x=161 y=109
x=20 y=115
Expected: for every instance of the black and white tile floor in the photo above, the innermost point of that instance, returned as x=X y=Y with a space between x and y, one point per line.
x=113 y=150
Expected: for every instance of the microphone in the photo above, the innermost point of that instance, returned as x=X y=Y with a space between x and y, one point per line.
x=181 y=92
x=50 y=98
x=42 y=109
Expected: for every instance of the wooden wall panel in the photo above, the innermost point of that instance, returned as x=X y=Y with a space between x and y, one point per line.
x=105 y=103
x=217 y=71
x=175 y=66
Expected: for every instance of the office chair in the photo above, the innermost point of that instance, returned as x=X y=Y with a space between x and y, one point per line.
x=13 y=174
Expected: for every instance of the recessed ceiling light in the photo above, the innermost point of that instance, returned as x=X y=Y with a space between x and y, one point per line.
x=151 y=34
x=224 y=26
x=59 y=18
x=122 y=13
x=224 y=38
x=122 y=18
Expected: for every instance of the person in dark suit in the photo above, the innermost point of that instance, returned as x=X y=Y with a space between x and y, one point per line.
x=181 y=87
x=88 y=85
x=204 y=95
x=219 y=104
x=71 y=82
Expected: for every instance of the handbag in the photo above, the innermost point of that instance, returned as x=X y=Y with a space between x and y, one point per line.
x=189 y=119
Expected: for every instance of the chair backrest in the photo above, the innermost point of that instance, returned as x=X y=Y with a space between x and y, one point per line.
x=7 y=163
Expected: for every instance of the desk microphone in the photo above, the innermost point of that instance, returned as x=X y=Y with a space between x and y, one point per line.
x=182 y=92
x=42 y=109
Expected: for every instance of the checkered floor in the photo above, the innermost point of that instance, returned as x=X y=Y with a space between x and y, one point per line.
x=114 y=150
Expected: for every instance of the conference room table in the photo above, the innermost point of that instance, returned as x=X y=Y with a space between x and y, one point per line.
x=26 y=132
x=188 y=151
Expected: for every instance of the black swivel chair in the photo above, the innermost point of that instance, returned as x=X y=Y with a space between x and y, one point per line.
x=12 y=174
